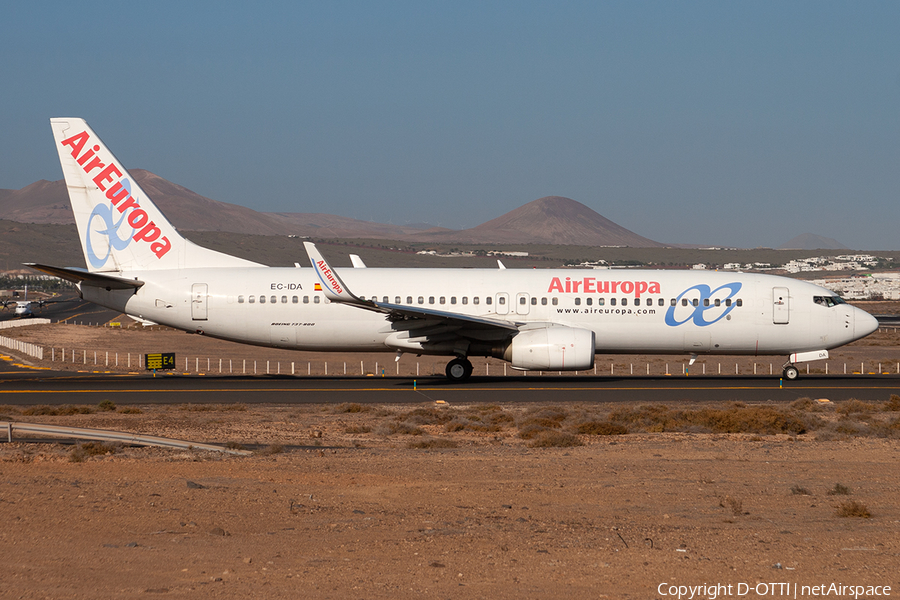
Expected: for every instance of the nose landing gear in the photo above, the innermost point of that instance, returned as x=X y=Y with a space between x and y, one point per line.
x=459 y=369
x=790 y=372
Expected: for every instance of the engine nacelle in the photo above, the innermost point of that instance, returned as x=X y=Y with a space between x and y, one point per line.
x=552 y=349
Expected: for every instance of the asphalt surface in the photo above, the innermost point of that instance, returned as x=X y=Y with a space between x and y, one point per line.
x=68 y=309
x=25 y=386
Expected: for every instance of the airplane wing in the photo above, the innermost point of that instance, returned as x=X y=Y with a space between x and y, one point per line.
x=85 y=277
x=336 y=291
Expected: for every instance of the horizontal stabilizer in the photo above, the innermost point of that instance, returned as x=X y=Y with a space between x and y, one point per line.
x=85 y=277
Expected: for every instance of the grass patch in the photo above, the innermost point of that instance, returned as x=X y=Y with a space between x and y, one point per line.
x=852 y=508
x=554 y=439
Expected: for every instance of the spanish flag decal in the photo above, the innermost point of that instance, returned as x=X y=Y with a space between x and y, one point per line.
x=318 y=287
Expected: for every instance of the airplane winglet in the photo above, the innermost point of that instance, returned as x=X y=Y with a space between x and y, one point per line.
x=332 y=285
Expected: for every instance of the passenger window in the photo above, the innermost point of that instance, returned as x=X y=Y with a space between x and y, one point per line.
x=662 y=302
x=612 y=301
x=706 y=302
x=672 y=302
x=533 y=301
x=739 y=302
x=589 y=301
x=577 y=301
x=251 y=299
x=475 y=300
x=683 y=302
x=522 y=301
x=501 y=300
x=728 y=302
x=488 y=300
x=555 y=301
x=305 y=299
x=315 y=299
x=396 y=299
x=718 y=302
x=273 y=299
x=601 y=301
x=443 y=300
x=284 y=299
x=240 y=299
x=430 y=299
x=409 y=299
x=649 y=302
x=262 y=299
x=452 y=299
x=465 y=299
x=294 y=299
x=543 y=302
x=624 y=301
x=421 y=300
x=696 y=302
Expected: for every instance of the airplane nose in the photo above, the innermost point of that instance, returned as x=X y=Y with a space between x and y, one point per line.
x=864 y=323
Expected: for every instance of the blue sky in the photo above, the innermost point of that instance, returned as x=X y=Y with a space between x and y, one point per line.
x=740 y=124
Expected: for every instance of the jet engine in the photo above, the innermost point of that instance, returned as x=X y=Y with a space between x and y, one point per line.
x=556 y=348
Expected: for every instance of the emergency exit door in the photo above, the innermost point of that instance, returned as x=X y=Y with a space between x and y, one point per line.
x=781 y=301
x=199 y=299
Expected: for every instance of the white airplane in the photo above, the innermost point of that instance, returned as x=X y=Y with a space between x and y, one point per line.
x=23 y=307
x=553 y=320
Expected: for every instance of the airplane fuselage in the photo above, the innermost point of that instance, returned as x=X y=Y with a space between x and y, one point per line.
x=628 y=310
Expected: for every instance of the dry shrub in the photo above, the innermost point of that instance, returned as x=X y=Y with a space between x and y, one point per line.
x=852 y=508
x=800 y=491
x=106 y=406
x=432 y=443
x=554 y=439
x=892 y=405
x=358 y=429
x=733 y=504
x=232 y=445
x=88 y=449
x=766 y=420
x=601 y=428
x=398 y=428
x=550 y=418
x=839 y=490
x=55 y=411
x=213 y=407
x=130 y=410
x=855 y=407
x=426 y=416
x=270 y=450
x=351 y=407
x=531 y=431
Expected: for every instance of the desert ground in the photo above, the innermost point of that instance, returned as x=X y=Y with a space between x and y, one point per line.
x=433 y=501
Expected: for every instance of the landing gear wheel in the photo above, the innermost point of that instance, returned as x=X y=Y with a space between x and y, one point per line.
x=791 y=373
x=459 y=369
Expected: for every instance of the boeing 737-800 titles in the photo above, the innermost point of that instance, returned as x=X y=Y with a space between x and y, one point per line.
x=556 y=319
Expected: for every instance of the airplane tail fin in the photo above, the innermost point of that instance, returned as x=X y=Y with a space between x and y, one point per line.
x=119 y=226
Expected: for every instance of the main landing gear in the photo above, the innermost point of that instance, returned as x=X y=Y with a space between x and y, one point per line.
x=459 y=369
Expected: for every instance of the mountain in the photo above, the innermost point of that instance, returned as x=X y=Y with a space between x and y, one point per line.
x=811 y=241
x=550 y=220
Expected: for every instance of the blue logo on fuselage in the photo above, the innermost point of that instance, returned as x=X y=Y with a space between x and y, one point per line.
x=701 y=302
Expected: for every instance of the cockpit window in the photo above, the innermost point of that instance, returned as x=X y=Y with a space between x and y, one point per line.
x=828 y=301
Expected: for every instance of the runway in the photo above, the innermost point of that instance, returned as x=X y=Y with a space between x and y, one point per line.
x=20 y=386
